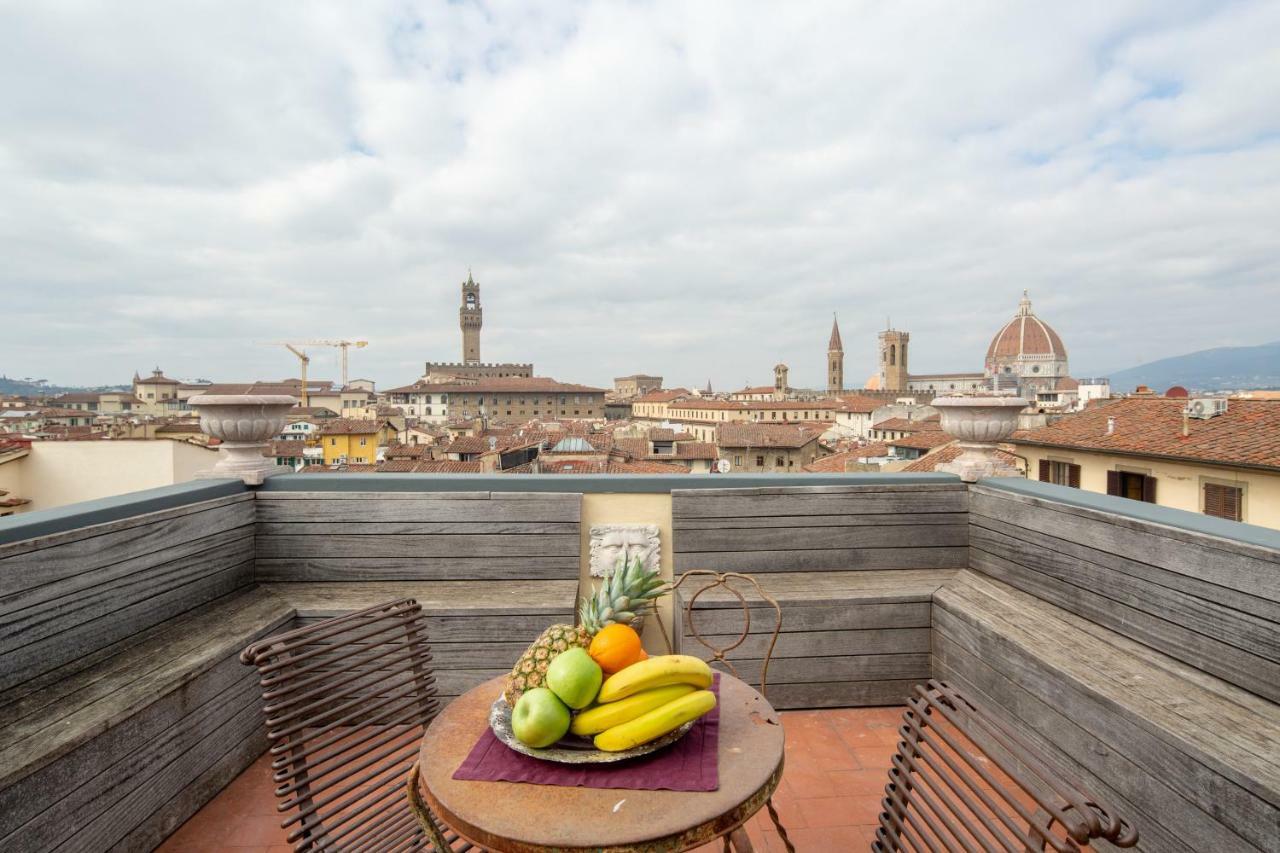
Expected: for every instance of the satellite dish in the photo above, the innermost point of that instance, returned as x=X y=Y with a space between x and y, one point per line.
x=722 y=466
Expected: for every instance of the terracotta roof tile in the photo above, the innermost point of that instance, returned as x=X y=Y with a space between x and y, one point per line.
x=924 y=440
x=835 y=463
x=351 y=426
x=734 y=434
x=1248 y=433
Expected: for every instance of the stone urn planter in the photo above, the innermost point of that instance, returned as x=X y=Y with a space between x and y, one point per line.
x=245 y=424
x=979 y=422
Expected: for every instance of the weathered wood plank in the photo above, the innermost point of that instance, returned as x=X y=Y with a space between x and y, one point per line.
x=1143 y=695
x=1133 y=570
x=455 y=682
x=416 y=509
x=841 y=694
x=187 y=800
x=811 y=618
x=855 y=588
x=817 y=538
x=73 y=585
x=415 y=528
x=840 y=559
x=103 y=702
x=45 y=619
x=49 y=565
x=347 y=569
x=719 y=505
x=1063 y=745
x=826 y=520
x=91 y=531
x=1235 y=545
x=1162 y=783
x=30 y=661
x=842 y=668
x=493 y=547
x=1241 y=569
x=1203 y=651
x=816 y=644
x=438 y=598
x=481 y=629
x=138 y=778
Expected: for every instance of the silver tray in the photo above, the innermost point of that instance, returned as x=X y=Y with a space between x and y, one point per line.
x=573 y=749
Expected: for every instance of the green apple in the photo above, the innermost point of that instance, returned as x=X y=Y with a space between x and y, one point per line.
x=575 y=678
x=539 y=718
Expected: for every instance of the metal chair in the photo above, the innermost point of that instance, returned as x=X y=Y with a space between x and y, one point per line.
x=719 y=654
x=943 y=795
x=346 y=703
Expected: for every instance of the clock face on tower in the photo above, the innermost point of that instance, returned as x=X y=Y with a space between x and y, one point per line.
x=471 y=300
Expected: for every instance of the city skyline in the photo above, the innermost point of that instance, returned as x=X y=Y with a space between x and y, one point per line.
x=683 y=191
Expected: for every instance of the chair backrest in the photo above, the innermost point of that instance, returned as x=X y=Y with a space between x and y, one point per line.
x=346 y=703
x=962 y=780
x=704 y=581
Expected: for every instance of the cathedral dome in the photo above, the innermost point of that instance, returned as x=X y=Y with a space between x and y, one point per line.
x=1025 y=335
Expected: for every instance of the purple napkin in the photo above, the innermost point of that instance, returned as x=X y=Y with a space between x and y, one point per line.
x=689 y=764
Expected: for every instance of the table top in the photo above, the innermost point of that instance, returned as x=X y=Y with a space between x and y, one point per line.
x=515 y=816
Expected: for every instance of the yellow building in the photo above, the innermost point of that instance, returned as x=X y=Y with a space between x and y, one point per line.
x=654 y=405
x=354 y=442
x=157 y=392
x=1146 y=448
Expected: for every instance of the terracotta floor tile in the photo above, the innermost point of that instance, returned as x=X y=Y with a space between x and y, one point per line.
x=837 y=763
x=858 y=783
x=827 y=839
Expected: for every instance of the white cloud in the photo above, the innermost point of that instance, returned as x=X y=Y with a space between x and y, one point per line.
x=680 y=188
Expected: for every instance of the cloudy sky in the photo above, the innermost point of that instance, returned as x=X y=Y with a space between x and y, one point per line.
x=681 y=188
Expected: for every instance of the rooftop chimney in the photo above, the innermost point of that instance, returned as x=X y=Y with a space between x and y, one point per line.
x=1111 y=425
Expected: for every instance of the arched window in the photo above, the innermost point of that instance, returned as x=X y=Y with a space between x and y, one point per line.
x=893 y=354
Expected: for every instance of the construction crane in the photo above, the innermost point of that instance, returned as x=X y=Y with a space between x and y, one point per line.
x=295 y=347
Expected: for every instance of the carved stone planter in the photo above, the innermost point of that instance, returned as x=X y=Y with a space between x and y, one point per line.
x=244 y=423
x=979 y=423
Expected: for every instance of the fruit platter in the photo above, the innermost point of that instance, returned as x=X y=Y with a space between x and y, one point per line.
x=590 y=693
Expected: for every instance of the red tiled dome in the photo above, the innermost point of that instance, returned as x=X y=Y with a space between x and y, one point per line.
x=1026 y=334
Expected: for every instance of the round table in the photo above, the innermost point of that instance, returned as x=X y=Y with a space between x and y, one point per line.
x=514 y=816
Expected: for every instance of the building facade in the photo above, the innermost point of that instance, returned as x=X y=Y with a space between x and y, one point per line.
x=470 y=320
x=625 y=387
x=1149 y=449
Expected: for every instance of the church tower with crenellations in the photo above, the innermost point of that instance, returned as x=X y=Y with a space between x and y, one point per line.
x=835 y=360
x=894 y=375
x=470 y=318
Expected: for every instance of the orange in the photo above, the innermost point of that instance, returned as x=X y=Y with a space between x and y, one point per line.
x=615 y=647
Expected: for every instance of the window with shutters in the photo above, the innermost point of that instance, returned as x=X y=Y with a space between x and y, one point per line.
x=1060 y=473
x=1224 y=501
x=1132 y=485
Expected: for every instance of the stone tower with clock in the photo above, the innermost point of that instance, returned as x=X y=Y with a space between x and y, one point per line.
x=470 y=318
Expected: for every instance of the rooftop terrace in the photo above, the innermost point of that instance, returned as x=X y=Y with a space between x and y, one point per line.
x=1135 y=646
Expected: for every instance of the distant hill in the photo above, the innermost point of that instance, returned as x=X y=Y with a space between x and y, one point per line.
x=41 y=388
x=1223 y=368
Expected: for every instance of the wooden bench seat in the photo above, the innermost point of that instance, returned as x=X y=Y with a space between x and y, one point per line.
x=851 y=638
x=477 y=629
x=120 y=752
x=1193 y=759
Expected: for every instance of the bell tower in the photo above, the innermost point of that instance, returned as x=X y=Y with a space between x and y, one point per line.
x=893 y=360
x=835 y=360
x=780 y=386
x=470 y=318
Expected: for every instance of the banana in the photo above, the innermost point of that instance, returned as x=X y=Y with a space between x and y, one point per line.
x=595 y=720
x=657 y=722
x=657 y=671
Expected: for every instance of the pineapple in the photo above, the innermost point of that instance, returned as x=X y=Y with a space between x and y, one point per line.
x=621 y=595
x=531 y=668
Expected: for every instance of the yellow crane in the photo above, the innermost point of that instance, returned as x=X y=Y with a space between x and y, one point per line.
x=295 y=347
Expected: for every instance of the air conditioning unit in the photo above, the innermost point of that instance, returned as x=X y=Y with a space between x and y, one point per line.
x=1206 y=407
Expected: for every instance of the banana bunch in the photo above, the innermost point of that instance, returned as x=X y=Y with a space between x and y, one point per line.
x=646 y=701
